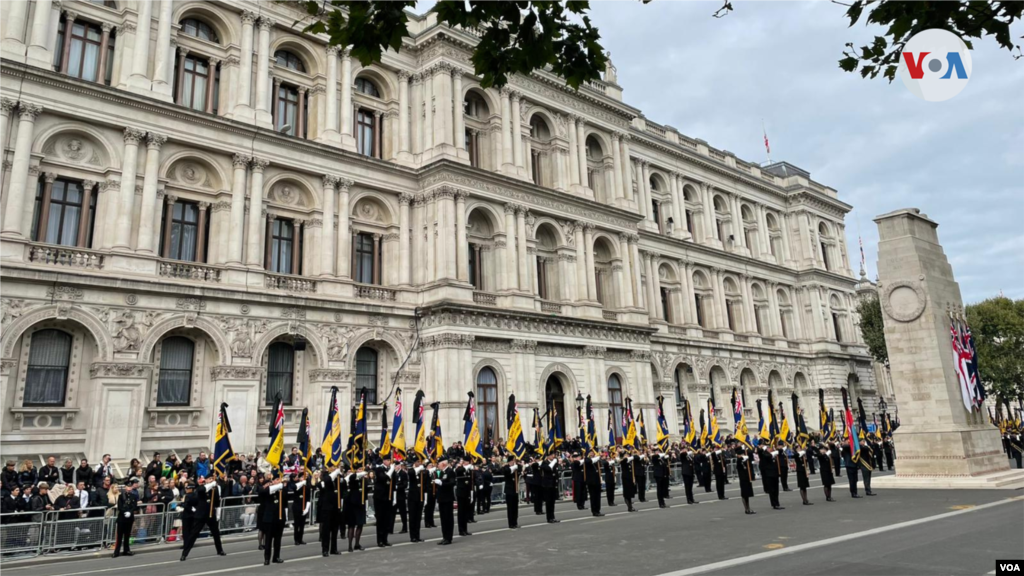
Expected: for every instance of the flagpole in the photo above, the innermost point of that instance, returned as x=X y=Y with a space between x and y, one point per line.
x=767 y=148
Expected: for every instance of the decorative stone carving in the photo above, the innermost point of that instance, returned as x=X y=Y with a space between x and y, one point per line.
x=190 y=304
x=12 y=309
x=243 y=333
x=64 y=292
x=119 y=370
x=128 y=327
x=236 y=372
x=293 y=312
x=903 y=300
x=337 y=339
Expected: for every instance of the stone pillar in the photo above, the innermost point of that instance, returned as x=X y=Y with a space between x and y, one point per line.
x=749 y=324
x=588 y=240
x=461 y=242
x=14 y=30
x=627 y=271
x=428 y=109
x=417 y=115
x=243 y=107
x=574 y=156
x=659 y=311
x=507 y=157
x=645 y=185
x=347 y=137
x=201 y=232
x=15 y=223
x=403 y=116
x=430 y=212
x=459 y=120
x=330 y=130
x=581 y=141
x=517 y=132
x=774 y=327
x=161 y=68
x=718 y=299
x=582 y=286
x=404 y=248
x=443 y=101
x=344 y=251
x=147 y=236
x=616 y=191
x=83 y=222
x=678 y=206
x=941 y=442
x=329 y=184
x=126 y=202
x=787 y=255
x=263 y=111
x=627 y=177
x=710 y=230
x=690 y=303
x=237 y=219
x=139 y=80
x=512 y=262
x=40 y=38
x=524 y=270
x=252 y=252
x=44 y=209
x=638 y=292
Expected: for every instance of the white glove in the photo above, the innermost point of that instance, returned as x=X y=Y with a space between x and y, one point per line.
x=629 y=458
x=300 y=484
x=718 y=451
x=127 y=514
x=801 y=453
x=334 y=475
x=360 y=475
x=218 y=514
x=193 y=509
x=276 y=488
x=595 y=459
x=775 y=452
x=305 y=511
x=513 y=467
x=437 y=481
x=418 y=469
x=828 y=452
x=209 y=486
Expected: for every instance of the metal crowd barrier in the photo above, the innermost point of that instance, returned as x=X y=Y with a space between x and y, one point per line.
x=84 y=530
x=21 y=533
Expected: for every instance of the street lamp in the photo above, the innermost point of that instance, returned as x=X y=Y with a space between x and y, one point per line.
x=579 y=400
x=882 y=405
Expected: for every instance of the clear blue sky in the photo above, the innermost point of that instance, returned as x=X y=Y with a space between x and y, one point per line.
x=960 y=161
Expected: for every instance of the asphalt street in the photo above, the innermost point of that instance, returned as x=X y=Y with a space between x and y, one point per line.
x=896 y=532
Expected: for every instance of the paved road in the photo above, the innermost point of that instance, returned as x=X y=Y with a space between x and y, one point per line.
x=949 y=532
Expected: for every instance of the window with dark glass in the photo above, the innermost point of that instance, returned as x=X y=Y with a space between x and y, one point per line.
x=535 y=166
x=698 y=301
x=199 y=29
x=785 y=326
x=364 y=86
x=289 y=60
x=599 y=275
x=757 y=320
x=615 y=403
x=473 y=148
x=282 y=236
x=689 y=221
x=366 y=134
x=366 y=373
x=175 y=383
x=365 y=258
x=749 y=236
x=666 y=312
x=718 y=229
x=824 y=256
x=194 y=83
x=835 y=326
x=184 y=230
x=487 y=403
x=656 y=212
x=679 y=387
x=63 y=215
x=48 y=360
x=287 y=114
x=474 y=274
x=729 y=315
x=280 y=372
x=83 y=50
x=542 y=284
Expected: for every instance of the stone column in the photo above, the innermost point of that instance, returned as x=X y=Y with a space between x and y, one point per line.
x=417 y=115
x=775 y=316
x=404 y=248
x=416 y=239
x=16 y=225
x=678 y=206
x=139 y=80
x=636 y=264
x=616 y=190
x=507 y=157
x=689 y=307
x=443 y=101
x=627 y=271
x=459 y=120
x=656 y=270
x=582 y=289
x=126 y=202
x=431 y=216
x=244 y=104
x=201 y=232
x=150 y=180
x=403 y=113
x=588 y=240
x=627 y=177
x=524 y=270
x=14 y=29
x=65 y=49
x=344 y=239
x=44 y=210
x=652 y=311
x=574 y=156
x=346 y=94
x=749 y=323
x=798 y=313
x=512 y=264
x=517 y=132
x=169 y=201
x=581 y=141
x=718 y=299
x=645 y=185
x=161 y=68
x=331 y=128
x=252 y=253
x=263 y=111
x=39 y=38
x=787 y=255
x=237 y=219
x=462 y=243
x=328 y=183
x=710 y=230
x=428 y=109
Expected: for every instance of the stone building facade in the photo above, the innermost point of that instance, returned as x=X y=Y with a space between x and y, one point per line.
x=204 y=204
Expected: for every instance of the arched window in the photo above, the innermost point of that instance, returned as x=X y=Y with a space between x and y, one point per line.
x=364 y=86
x=366 y=373
x=289 y=60
x=487 y=403
x=280 y=372
x=615 y=403
x=199 y=29
x=553 y=390
x=48 y=361
x=175 y=381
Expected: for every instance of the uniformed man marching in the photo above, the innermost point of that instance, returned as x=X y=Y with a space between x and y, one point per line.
x=866 y=462
x=299 y=503
x=127 y=503
x=608 y=470
x=687 y=467
x=579 y=489
x=640 y=464
x=659 y=463
x=550 y=472
x=383 y=499
x=274 y=517
x=592 y=480
x=718 y=470
x=769 y=464
x=745 y=471
x=464 y=494
x=328 y=509
x=628 y=480
x=445 y=481
x=533 y=486
x=419 y=487
x=511 y=472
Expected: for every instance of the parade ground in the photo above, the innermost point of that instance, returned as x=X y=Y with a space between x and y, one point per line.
x=897 y=532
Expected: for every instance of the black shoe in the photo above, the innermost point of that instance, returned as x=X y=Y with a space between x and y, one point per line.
x=380 y=545
x=857 y=496
x=261 y=546
x=830 y=499
x=182 y=557
x=787 y=489
x=336 y=553
x=778 y=508
x=598 y=515
x=358 y=547
x=872 y=494
x=278 y=561
x=472 y=521
x=387 y=544
x=553 y=521
x=326 y=554
x=724 y=498
x=115 y=555
x=749 y=512
x=223 y=553
x=404 y=531
x=632 y=510
x=129 y=554
x=444 y=542
x=808 y=503
x=662 y=506
x=266 y=562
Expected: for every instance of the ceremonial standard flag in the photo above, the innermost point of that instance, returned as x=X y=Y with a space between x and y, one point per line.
x=591 y=425
x=642 y=426
x=275 y=453
x=611 y=429
x=222 y=451
x=581 y=430
x=773 y=421
x=741 y=433
x=784 y=430
x=303 y=440
x=690 y=431
x=436 y=445
x=977 y=388
x=515 y=444
x=662 y=435
x=331 y=444
x=398 y=429
x=629 y=426
x=555 y=435
x=538 y=434
x=823 y=423
x=470 y=430
x=960 y=360
x=420 y=444
x=385 y=438
x=359 y=434
x=848 y=423
x=833 y=433
x=703 y=430
x=765 y=432
x=713 y=434
x=802 y=437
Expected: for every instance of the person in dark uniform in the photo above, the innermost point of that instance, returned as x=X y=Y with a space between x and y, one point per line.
x=770 y=474
x=783 y=466
x=703 y=462
x=659 y=464
x=328 y=509
x=190 y=507
x=802 y=482
x=865 y=462
x=401 y=489
x=533 y=484
x=579 y=489
x=1013 y=441
x=608 y=471
x=484 y=482
x=640 y=464
x=419 y=486
x=824 y=453
x=719 y=471
x=812 y=458
x=550 y=472
x=274 y=518
x=430 y=492
x=298 y=495
x=686 y=466
x=210 y=494
x=628 y=482
x=445 y=480
x=511 y=472
x=837 y=459
x=876 y=449
x=354 y=506
x=745 y=471
x=464 y=495
x=592 y=480
x=127 y=503
x=887 y=449
x=383 y=499
x=851 y=469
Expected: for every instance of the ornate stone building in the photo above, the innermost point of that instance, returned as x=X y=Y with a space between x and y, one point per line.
x=203 y=204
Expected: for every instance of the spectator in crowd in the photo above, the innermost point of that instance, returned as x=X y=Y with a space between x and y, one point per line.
x=103 y=470
x=11 y=503
x=28 y=475
x=49 y=473
x=40 y=501
x=67 y=472
x=202 y=466
x=171 y=466
x=155 y=467
x=84 y=498
x=67 y=503
x=9 y=479
x=84 y=473
x=188 y=466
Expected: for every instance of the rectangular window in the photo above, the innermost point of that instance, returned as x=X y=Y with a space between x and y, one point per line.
x=83 y=50
x=689 y=221
x=474 y=278
x=718 y=229
x=542 y=288
x=63 y=213
x=757 y=320
x=364 y=258
x=728 y=313
x=699 y=305
x=184 y=230
x=471 y=146
x=282 y=236
x=785 y=326
x=194 y=83
x=835 y=326
x=656 y=212
x=366 y=134
x=287 y=113
x=535 y=166
x=600 y=287
x=665 y=310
